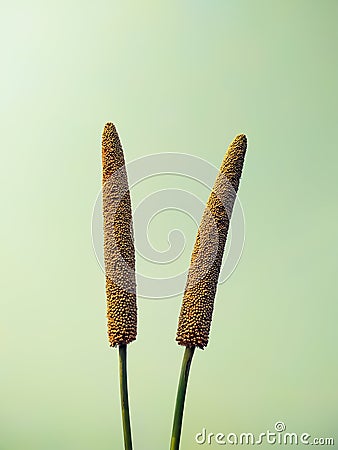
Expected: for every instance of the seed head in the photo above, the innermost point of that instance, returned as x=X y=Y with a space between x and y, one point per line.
x=198 y=299
x=119 y=251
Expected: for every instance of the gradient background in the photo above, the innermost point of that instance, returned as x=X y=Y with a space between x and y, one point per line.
x=184 y=77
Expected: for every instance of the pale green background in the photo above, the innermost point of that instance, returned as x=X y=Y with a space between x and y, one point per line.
x=181 y=76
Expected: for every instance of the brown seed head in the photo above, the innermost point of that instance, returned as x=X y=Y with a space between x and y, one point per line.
x=198 y=300
x=119 y=252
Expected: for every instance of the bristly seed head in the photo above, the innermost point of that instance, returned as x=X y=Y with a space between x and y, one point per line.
x=198 y=300
x=119 y=251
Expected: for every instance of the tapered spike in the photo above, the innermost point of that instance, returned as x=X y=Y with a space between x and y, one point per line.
x=198 y=300
x=119 y=252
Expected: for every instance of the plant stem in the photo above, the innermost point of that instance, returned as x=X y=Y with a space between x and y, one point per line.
x=181 y=391
x=124 y=397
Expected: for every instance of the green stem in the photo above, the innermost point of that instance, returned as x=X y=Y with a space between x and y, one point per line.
x=124 y=397
x=181 y=391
